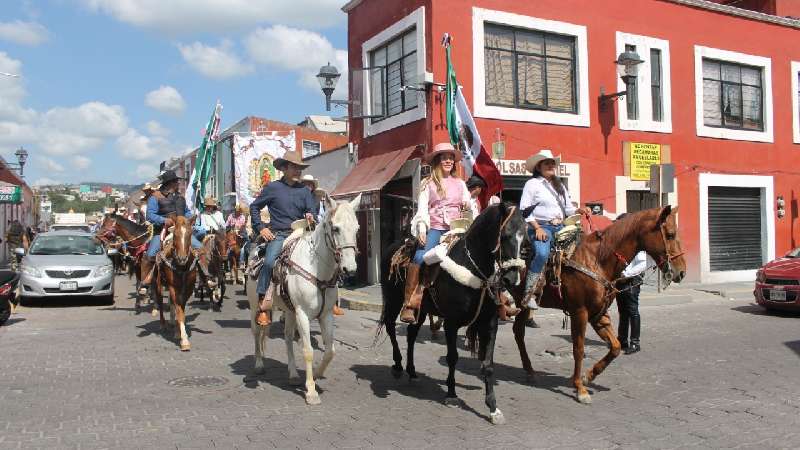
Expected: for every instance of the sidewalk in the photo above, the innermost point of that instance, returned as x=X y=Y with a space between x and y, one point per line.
x=369 y=298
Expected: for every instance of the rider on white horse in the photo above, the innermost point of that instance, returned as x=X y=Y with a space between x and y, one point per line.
x=288 y=200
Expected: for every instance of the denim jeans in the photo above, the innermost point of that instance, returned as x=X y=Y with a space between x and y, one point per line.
x=433 y=238
x=541 y=249
x=155 y=245
x=270 y=255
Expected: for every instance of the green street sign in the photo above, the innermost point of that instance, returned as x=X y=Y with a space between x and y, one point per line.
x=10 y=194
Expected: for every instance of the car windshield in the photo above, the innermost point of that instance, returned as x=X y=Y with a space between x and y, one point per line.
x=71 y=228
x=66 y=245
x=794 y=253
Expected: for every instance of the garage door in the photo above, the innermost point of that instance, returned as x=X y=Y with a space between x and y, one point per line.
x=734 y=228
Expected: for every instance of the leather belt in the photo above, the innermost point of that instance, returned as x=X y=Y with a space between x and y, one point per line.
x=556 y=221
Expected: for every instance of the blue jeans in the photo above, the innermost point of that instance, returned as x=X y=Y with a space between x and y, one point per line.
x=541 y=249
x=433 y=238
x=155 y=245
x=270 y=255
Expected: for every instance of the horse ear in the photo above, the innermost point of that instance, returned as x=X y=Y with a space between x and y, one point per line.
x=329 y=203
x=356 y=202
x=662 y=216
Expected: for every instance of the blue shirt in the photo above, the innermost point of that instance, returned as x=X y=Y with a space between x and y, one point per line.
x=286 y=204
x=152 y=212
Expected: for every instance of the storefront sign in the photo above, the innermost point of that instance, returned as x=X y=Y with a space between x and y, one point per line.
x=516 y=167
x=10 y=194
x=642 y=156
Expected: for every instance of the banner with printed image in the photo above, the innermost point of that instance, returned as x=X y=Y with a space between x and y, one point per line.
x=253 y=156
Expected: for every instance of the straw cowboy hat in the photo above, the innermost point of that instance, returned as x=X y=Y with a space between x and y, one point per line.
x=210 y=201
x=444 y=147
x=241 y=208
x=147 y=187
x=543 y=155
x=289 y=157
x=308 y=178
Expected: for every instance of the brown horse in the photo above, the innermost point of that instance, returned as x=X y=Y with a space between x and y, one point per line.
x=176 y=268
x=234 y=243
x=588 y=283
x=212 y=274
x=134 y=235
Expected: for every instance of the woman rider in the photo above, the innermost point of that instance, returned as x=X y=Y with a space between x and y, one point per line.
x=549 y=203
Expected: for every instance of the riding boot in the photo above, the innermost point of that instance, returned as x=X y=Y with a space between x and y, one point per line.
x=265 y=307
x=531 y=280
x=636 y=325
x=413 y=295
x=147 y=268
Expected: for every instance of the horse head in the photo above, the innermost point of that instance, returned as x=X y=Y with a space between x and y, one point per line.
x=182 y=239
x=661 y=242
x=341 y=231
x=106 y=232
x=511 y=239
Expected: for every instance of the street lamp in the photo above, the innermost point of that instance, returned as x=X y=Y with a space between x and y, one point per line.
x=628 y=68
x=22 y=156
x=328 y=76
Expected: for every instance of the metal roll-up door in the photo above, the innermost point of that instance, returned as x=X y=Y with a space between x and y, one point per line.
x=734 y=228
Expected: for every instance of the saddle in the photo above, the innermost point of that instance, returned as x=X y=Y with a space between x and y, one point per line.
x=565 y=242
x=430 y=270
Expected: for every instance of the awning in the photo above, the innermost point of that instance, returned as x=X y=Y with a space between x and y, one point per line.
x=371 y=174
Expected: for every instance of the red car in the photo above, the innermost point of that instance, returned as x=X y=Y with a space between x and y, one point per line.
x=778 y=283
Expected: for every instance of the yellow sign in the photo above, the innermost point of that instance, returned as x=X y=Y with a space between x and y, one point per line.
x=642 y=157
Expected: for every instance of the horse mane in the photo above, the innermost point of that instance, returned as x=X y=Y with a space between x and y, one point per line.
x=609 y=239
x=129 y=225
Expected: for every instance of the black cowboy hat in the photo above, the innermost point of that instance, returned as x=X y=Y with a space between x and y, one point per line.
x=167 y=176
x=475 y=181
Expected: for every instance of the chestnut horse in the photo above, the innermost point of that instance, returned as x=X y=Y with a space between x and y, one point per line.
x=588 y=283
x=212 y=273
x=176 y=266
x=135 y=235
x=234 y=243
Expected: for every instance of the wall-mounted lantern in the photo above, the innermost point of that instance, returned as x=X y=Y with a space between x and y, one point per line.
x=628 y=68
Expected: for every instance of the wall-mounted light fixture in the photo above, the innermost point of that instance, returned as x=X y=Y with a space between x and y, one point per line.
x=780 y=204
x=628 y=69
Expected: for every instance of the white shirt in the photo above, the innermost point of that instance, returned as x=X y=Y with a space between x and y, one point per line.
x=637 y=265
x=213 y=221
x=538 y=191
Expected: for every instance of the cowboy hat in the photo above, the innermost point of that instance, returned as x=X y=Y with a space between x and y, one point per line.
x=543 y=155
x=241 y=208
x=444 y=147
x=210 y=201
x=147 y=187
x=308 y=178
x=167 y=176
x=142 y=197
x=459 y=226
x=287 y=158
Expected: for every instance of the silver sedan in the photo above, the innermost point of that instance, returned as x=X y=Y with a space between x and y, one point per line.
x=67 y=263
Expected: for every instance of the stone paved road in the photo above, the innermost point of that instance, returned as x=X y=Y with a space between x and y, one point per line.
x=714 y=373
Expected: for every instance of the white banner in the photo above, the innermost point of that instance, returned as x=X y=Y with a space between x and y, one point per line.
x=253 y=156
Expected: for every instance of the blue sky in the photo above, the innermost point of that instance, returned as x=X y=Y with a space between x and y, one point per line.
x=109 y=88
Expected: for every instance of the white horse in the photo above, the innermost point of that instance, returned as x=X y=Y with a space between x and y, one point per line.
x=322 y=254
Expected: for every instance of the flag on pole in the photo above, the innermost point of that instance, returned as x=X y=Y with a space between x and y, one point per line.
x=464 y=134
x=196 y=189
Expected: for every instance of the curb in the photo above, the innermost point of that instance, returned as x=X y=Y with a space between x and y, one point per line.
x=357 y=302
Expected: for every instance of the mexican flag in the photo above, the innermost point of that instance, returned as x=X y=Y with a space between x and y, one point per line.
x=196 y=189
x=464 y=135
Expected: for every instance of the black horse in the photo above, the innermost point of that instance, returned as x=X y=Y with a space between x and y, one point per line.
x=493 y=242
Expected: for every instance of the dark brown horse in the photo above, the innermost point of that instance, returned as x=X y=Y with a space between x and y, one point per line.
x=234 y=243
x=176 y=267
x=134 y=235
x=588 y=285
x=212 y=272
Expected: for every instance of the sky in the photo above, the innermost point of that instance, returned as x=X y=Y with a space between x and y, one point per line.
x=107 y=89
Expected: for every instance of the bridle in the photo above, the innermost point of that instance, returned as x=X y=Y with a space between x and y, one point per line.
x=504 y=265
x=665 y=262
x=109 y=234
x=330 y=241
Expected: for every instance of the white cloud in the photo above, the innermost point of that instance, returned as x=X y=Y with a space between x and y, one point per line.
x=136 y=146
x=146 y=171
x=166 y=99
x=156 y=129
x=215 y=62
x=279 y=46
x=25 y=33
x=81 y=162
x=188 y=16
x=44 y=181
x=48 y=164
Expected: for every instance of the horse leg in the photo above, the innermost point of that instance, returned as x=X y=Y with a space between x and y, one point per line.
x=326 y=326
x=519 y=337
x=173 y=311
x=259 y=333
x=181 y=316
x=412 y=330
x=451 y=336
x=578 y=322
x=304 y=327
x=605 y=330
x=289 y=327
x=488 y=337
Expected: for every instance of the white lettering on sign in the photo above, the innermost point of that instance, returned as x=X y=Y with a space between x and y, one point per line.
x=516 y=167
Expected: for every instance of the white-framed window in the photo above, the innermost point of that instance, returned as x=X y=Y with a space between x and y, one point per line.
x=796 y=101
x=649 y=106
x=311 y=148
x=529 y=69
x=399 y=52
x=733 y=95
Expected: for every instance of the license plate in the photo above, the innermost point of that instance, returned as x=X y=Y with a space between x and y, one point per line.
x=777 y=296
x=68 y=286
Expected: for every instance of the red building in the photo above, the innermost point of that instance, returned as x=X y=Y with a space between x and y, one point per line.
x=716 y=95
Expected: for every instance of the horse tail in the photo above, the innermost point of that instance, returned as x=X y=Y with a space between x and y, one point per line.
x=391 y=291
x=473 y=338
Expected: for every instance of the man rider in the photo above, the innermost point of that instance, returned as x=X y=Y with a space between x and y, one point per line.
x=162 y=207
x=288 y=200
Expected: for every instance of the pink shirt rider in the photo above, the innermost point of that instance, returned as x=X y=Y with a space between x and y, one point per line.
x=236 y=222
x=444 y=209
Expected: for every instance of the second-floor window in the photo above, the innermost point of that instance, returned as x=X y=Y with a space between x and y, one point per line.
x=398 y=60
x=311 y=148
x=732 y=95
x=529 y=69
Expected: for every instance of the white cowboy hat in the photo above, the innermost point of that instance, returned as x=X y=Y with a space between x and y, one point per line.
x=308 y=178
x=459 y=226
x=543 y=155
x=300 y=224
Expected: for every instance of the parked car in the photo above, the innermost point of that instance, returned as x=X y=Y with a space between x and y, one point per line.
x=67 y=263
x=778 y=283
x=8 y=291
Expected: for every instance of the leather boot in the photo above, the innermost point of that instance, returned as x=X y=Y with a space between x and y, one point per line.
x=337 y=311
x=265 y=308
x=530 y=296
x=413 y=295
x=147 y=267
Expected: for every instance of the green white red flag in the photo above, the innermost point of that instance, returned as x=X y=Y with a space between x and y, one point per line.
x=196 y=189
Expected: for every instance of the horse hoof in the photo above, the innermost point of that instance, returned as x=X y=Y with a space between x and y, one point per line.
x=585 y=380
x=260 y=370
x=185 y=346
x=452 y=401
x=397 y=372
x=313 y=399
x=586 y=399
x=497 y=417
x=295 y=381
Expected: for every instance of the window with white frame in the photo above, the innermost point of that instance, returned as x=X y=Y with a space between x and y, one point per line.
x=647 y=107
x=734 y=95
x=311 y=148
x=796 y=101
x=392 y=60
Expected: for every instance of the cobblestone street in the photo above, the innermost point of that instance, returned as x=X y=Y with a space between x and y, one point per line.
x=714 y=372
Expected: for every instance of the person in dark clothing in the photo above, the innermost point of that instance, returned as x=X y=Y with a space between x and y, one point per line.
x=288 y=200
x=628 y=302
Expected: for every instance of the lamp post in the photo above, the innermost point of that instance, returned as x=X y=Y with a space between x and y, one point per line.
x=628 y=68
x=22 y=156
x=328 y=76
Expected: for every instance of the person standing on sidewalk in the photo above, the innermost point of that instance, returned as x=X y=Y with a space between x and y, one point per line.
x=628 y=302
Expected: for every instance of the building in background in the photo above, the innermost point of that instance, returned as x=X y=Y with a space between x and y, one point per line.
x=16 y=203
